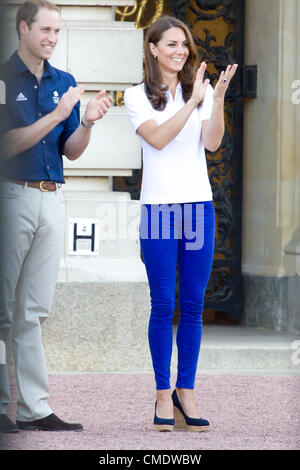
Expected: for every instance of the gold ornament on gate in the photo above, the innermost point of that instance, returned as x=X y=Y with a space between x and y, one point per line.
x=138 y=10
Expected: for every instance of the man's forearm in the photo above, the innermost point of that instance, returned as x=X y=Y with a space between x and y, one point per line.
x=77 y=143
x=18 y=140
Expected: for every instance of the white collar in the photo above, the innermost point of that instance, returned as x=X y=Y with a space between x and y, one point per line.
x=178 y=92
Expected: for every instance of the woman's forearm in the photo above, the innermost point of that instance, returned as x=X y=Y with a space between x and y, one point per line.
x=161 y=135
x=213 y=129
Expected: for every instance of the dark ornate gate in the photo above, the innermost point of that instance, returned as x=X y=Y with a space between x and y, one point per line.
x=218 y=30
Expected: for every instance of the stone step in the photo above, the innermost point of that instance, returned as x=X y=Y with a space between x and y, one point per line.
x=240 y=348
x=103 y=327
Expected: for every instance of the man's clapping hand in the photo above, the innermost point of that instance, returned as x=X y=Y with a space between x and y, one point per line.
x=97 y=107
x=68 y=101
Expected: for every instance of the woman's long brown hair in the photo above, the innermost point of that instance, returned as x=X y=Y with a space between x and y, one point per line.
x=152 y=79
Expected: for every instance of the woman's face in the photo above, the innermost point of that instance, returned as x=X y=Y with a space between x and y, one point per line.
x=171 y=50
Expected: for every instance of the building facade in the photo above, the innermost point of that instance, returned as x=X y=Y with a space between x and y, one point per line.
x=101 y=308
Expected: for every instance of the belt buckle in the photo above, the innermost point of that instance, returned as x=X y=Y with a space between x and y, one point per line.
x=41 y=187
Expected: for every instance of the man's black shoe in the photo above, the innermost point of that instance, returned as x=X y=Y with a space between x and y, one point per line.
x=6 y=425
x=50 y=423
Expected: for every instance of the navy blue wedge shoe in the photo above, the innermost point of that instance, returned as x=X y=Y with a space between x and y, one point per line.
x=182 y=421
x=163 y=424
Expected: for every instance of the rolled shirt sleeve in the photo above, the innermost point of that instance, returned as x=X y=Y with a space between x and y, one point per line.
x=138 y=106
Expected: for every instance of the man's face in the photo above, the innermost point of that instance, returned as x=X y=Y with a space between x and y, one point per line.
x=41 y=39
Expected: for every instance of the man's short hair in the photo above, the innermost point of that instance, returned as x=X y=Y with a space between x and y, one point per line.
x=28 y=11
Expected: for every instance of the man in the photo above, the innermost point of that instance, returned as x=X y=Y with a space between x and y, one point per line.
x=39 y=123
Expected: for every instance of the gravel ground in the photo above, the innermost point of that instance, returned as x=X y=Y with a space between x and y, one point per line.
x=116 y=410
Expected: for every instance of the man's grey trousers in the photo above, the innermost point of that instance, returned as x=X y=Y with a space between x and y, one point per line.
x=32 y=233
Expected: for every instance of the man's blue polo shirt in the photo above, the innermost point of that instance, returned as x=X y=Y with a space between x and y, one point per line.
x=27 y=100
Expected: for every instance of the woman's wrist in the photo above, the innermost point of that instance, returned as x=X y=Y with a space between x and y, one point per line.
x=192 y=102
x=219 y=101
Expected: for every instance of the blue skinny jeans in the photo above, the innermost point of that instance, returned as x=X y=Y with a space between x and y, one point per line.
x=174 y=235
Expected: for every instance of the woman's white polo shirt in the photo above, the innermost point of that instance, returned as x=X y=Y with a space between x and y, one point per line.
x=178 y=172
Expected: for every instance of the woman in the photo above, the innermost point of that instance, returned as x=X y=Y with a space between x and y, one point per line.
x=176 y=114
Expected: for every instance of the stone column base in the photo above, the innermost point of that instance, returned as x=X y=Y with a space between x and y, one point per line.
x=99 y=327
x=272 y=302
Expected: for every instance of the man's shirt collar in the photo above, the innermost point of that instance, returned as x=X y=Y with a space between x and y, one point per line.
x=17 y=63
x=49 y=71
x=20 y=67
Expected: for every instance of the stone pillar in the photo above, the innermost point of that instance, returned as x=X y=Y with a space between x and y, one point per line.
x=271 y=207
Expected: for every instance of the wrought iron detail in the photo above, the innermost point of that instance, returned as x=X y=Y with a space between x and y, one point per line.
x=220 y=284
x=218 y=8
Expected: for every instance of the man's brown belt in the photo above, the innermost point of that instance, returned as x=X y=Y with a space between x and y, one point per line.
x=42 y=185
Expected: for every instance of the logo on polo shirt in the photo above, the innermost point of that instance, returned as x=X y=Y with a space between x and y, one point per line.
x=55 y=97
x=21 y=97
